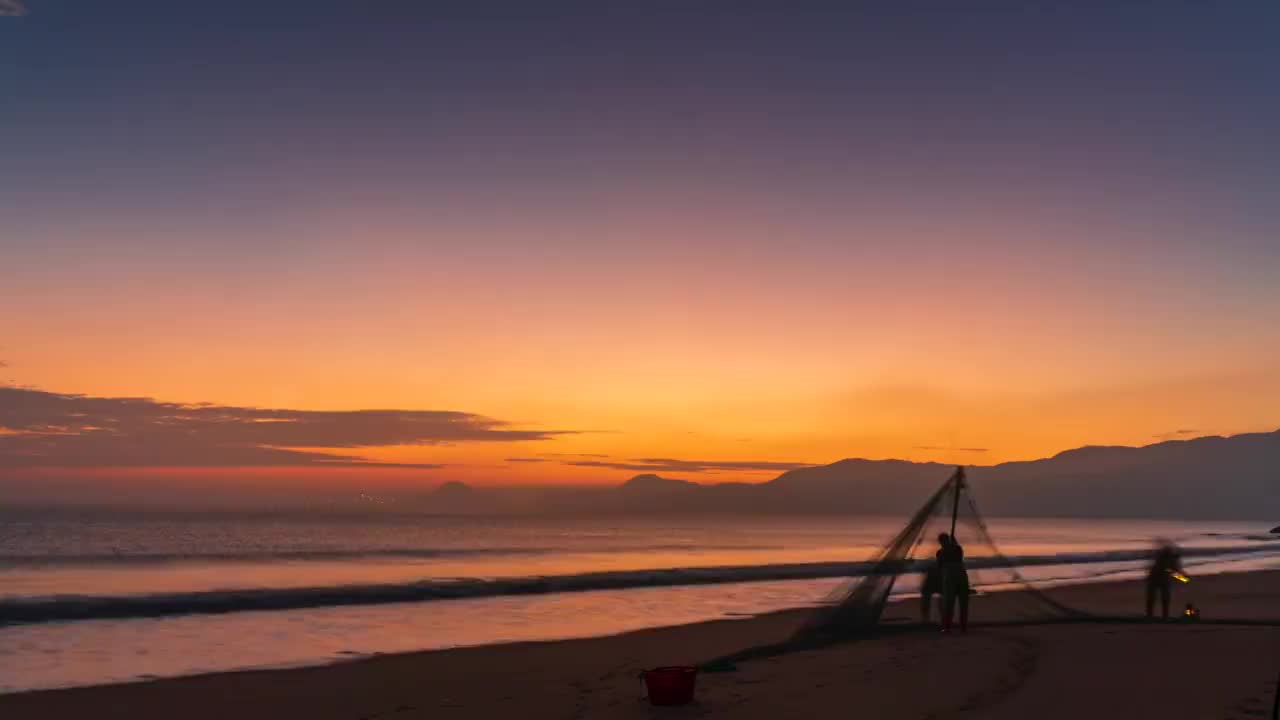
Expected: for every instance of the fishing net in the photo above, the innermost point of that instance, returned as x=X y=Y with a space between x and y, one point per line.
x=905 y=586
x=909 y=565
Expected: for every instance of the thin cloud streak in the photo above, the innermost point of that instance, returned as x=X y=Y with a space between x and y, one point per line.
x=12 y=8
x=952 y=449
x=40 y=428
x=1176 y=434
x=690 y=466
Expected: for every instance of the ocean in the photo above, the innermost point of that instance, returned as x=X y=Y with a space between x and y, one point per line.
x=99 y=597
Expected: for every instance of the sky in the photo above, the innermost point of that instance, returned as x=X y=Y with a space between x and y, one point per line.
x=565 y=242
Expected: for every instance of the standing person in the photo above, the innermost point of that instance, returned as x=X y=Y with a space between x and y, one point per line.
x=955 y=582
x=929 y=586
x=1164 y=565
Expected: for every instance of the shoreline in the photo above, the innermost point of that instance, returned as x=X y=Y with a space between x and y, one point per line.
x=454 y=679
x=522 y=624
x=18 y=612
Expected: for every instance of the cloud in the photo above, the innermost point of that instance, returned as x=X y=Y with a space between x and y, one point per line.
x=952 y=449
x=1175 y=434
x=49 y=429
x=527 y=460
x=12 y=7
x=689 y=466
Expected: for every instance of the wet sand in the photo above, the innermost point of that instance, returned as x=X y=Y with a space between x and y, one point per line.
x=1077 y=670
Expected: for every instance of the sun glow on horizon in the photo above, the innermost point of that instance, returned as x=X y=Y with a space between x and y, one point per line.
x=709 y=249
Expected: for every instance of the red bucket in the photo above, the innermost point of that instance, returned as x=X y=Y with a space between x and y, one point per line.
x=670 y=685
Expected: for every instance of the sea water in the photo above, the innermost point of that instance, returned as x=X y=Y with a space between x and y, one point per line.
x=97 y=597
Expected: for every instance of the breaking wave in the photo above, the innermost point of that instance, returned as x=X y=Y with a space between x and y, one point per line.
x=90 y=607
x=311 y=555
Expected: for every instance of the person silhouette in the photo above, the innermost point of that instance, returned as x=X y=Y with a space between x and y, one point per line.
x=954 y=581
x=930 y=585
x=1164 y=564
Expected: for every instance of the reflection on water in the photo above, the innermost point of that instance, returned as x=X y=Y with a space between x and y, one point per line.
x=256 y=556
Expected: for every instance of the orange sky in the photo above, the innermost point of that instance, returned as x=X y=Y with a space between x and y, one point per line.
x=735 y=241
x=1003 y=351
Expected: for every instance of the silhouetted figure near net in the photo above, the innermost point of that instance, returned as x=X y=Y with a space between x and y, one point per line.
x=1164 y=567
x=856 y=608
x=955 y=582
x=930 y=585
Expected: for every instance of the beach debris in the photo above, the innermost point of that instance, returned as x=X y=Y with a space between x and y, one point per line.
x=719 y=666
x=670 y=685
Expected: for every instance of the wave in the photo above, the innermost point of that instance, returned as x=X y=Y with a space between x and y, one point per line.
x=24 y=610
x=1256 y=537
x=311 y=555
x=126 y=558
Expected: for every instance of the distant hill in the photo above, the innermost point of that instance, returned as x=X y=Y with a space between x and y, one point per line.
x=1209 y=478
x=650 y=485
x=1212 y=477
x=457 y=498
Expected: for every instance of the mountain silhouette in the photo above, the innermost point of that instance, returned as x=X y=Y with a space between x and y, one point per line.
x=1210 y=477
x=458 y=498
x=1205 y=478
x=649 y=483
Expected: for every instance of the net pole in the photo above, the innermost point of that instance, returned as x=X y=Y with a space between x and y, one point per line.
x=955 y=501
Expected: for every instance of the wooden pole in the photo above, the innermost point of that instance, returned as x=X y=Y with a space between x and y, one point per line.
x=955 y=504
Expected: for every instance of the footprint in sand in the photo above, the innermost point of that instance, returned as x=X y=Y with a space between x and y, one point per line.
x=1253 y=707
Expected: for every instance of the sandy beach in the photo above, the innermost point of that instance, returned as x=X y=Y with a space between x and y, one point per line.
x=1095 y=670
